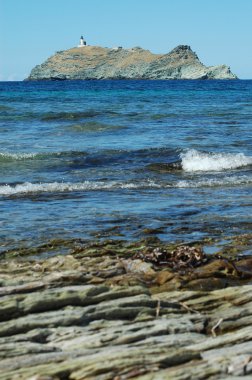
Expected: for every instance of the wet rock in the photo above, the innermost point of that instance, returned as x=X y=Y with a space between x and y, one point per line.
x=153 y=231
x=165 y=167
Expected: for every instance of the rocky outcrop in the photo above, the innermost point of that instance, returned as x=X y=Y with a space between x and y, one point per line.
x=94 y=62
x=101 y=313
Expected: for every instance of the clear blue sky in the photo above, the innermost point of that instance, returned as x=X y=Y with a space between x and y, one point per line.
x=220 y=31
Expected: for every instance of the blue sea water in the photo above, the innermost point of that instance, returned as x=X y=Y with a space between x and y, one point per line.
x=76 y=160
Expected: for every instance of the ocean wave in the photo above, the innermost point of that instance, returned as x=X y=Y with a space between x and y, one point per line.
x=59 y=187
x=7 y=156
x=215 y=182
x=21 y=156
x=193 y=161
x=28 y=187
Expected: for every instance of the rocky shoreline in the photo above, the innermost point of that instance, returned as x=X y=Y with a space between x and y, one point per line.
x=118 y=310
x=96 y=62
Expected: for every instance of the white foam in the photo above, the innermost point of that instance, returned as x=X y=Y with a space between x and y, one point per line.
x=60 y=187
x=27 y=187
x=215 y=182
x=16 y=156
x=194 y=160
x=8 y=156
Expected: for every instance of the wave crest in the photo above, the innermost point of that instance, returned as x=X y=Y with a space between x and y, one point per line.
x=60 y=187
x=194 y=160
x=28 y=187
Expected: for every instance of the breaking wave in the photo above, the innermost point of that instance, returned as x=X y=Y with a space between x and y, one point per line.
x=194 y=160
x=59 y=187
x=27 y=187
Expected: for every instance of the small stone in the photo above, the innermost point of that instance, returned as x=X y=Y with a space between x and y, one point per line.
x=138 y=267
x=163 y=277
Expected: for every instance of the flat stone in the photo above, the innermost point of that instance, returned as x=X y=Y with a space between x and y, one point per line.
x=136 y=321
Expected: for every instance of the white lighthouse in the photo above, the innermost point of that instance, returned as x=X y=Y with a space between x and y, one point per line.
x=82 y=42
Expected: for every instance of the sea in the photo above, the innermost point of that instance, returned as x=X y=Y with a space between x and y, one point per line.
x=126 y=160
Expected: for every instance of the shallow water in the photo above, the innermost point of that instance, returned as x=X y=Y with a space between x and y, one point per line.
x=76 y=159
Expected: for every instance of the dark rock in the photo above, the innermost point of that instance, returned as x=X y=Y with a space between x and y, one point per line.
x=165 y=167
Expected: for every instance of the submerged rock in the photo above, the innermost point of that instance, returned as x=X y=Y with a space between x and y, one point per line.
x=165 y=167
x=95 y=62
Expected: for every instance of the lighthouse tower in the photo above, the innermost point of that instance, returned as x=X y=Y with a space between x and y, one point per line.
x=82 y=42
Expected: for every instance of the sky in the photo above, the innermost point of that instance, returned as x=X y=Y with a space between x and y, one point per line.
x=219 y=31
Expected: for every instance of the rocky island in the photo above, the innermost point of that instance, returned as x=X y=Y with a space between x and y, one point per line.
x=95 y=62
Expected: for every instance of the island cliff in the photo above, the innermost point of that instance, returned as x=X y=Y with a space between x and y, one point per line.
x=94 y=62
